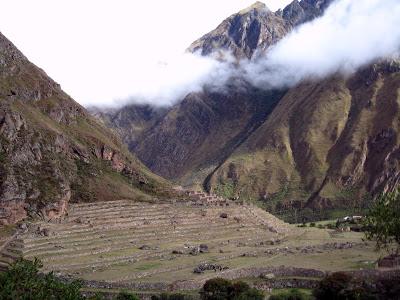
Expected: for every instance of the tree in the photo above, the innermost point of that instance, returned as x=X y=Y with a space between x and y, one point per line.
x=24 y=282
x=292 y=294
x=216 y=289
x=222 y=289
x=124 y=295
x=382 y=222
x=250 y=294
x=332 y=286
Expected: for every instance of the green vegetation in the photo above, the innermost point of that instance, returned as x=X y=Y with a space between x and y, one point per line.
x=23 y=281
x=222 y=289
x=172 y=296
x=291 y=294
x=342 y=286
x=225 y=189
x=383 y=221
x=125 y=295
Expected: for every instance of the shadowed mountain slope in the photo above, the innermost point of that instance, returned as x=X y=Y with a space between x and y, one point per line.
x=187 y=141
x=327 y=144
x=324 y=144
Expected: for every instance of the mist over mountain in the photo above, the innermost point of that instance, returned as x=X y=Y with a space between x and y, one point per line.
x=239 y=48
x=348 y=36
x=298 y=112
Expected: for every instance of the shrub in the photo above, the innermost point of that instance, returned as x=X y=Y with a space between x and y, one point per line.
x=332 y=286
x=222 y=289
x=312 y=224
x=331 y=226
x=124 y=295
x=216 y=289
x=23 y=281
x=382 y=222
x=250 y=294
x=292 y=294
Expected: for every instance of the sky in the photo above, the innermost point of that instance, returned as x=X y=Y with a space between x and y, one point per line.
x=98 y=50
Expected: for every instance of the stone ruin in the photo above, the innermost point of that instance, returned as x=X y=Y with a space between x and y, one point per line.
x=202 y=198
x=389 y=262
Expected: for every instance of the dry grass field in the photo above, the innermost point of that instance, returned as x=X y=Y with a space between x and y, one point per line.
x=125 y=241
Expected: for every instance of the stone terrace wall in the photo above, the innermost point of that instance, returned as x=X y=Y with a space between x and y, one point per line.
x=309 y=279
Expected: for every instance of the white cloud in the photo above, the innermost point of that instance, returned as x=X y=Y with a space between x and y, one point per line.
x=102 y=50
x=109 y=53
x=350 y=34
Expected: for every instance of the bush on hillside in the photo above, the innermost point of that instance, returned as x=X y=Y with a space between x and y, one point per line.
x=124 y=295
x=24 y=282
x=222 y=289
x=382 y=222
x=292 y=294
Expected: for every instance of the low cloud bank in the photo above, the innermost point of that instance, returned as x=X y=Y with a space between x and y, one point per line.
x=349 y=35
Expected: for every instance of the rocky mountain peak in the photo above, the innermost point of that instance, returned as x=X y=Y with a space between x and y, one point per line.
x=255 y=7
x=256 y=28
x=251 y=29
x=297 y=12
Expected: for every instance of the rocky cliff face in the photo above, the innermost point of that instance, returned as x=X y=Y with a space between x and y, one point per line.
x=256 y=28
x=52 y=151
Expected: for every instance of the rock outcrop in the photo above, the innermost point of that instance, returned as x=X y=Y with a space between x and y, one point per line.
x=256 y=28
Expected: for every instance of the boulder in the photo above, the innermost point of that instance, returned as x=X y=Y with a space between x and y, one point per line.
x=223 y=215
x=203 y=248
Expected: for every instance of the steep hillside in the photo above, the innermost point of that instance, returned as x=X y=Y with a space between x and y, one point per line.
x=187 y=142
x=52 y=151
x=202 y=131
x=327 y=144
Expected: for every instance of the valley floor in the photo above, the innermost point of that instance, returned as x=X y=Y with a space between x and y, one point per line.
x=145 y=246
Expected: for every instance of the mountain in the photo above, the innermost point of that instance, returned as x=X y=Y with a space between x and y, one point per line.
x=326 y=144
x=52 y=151
x=256 y=28
x=186 y=142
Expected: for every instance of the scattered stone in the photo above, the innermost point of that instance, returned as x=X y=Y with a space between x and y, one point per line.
x=195 y=251
x=23 y=226
x=145 y=247
x=238 y=219
x=223 y=215
x=42 y=231
x=391 y=261
x=249 y=254
x=177 y=252
x=272 y=229
x=203 y=248
x=201 y=268
x=267 y=276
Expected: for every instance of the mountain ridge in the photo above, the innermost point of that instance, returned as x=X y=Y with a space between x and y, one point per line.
x=52 y=151
x=240 y=145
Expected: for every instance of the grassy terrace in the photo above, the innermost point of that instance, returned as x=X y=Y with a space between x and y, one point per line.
x=126 y=241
